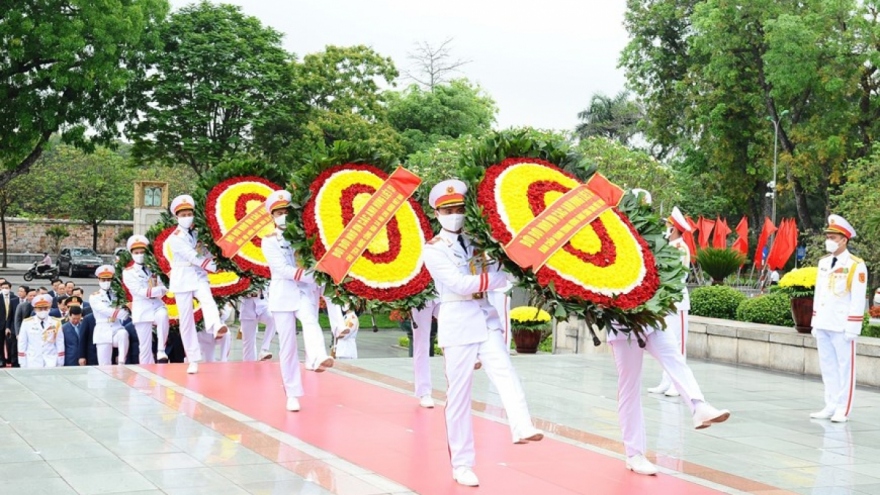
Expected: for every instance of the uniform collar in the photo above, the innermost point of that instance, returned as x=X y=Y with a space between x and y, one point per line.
x=842 y=257
x=449 y=236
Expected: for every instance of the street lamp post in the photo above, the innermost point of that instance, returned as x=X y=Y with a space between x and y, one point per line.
x=772 y=184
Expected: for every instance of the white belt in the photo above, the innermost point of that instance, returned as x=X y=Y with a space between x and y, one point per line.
x=453 y=297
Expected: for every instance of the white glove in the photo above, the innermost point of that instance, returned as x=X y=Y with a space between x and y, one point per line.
x=849 y=337
x=511 y=277
x=211 y=267
x=158 y=292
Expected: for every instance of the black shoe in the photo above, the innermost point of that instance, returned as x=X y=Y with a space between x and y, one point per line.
x=2 y=363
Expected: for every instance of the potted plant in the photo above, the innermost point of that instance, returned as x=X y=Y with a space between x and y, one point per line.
x=800 y=285
x=529 y=325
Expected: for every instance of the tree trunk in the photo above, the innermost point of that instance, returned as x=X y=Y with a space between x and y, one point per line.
x=95 y=236
x=3 y=228
x=803 y=211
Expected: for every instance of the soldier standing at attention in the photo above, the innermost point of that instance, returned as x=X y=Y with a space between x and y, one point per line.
x=147 y=307
x=41 y=341
x=838 y=311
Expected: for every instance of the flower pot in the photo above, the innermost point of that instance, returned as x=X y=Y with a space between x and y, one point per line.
x=802 y=313
x=527 y=341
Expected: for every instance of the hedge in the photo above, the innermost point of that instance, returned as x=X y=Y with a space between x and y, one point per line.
x=771 y=309
x=716 y=301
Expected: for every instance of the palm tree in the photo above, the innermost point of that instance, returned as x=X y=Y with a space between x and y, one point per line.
x=615 y=118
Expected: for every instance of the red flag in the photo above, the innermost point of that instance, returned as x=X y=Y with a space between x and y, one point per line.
x=741 y=244
x=783 y=246
x=766 y=232
x=722 y=230
x=689 y=238
x=705 y=228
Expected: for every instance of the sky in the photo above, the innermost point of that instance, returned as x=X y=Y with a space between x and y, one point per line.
x=541 y=61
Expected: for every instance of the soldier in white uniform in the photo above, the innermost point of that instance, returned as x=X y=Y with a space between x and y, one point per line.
x=253 y=309
x=40 y=339
x=677 y=321
x=628 y=357
x=469 y=330
x=190 y=264
x=291 y=296
x=344 y=326
x=109 y=332
x=838 y=311
x=209 y=344
x=147 y=307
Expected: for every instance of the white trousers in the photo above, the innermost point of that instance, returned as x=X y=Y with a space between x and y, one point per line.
x=210 y=317
x=285 y=325
x=249 y=335
x=838 y=367
x=459 y=361
x=421 y=344
x=628 y=357
x=677 y=327
x=105 y=351
x=207 y=346
x=145 y=335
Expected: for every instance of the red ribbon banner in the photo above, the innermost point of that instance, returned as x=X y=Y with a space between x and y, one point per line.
x=559 y=222
x=366 y=224
x=242 y=232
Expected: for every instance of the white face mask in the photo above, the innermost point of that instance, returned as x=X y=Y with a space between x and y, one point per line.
x=452 y=222
x=831 y=246
x=138 y=258
x=185 y=222
x=281 y=221
x=5 y=292
x=42 y=314
x=668 y=233
x=104 y=285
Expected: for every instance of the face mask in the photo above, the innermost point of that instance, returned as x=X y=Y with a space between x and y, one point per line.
x=43 y=314
x=104 y=285
x=138 y=258
x=185 y=222
x=452 y=223
x=281 y=221
x=668 y=233
x=5 y=292
x=831 y=246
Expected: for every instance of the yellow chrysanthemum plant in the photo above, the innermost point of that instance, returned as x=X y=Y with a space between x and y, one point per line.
x=612 y=267
x=529 y=318
x=800 y=282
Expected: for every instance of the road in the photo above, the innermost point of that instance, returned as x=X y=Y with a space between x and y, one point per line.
x=15 y=271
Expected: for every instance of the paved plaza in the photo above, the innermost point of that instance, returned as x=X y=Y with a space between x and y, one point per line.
x=152 y=429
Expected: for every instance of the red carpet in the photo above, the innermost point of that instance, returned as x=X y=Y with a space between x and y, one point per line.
x=388 y=433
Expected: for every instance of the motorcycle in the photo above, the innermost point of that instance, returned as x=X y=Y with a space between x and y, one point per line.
x=49 y=274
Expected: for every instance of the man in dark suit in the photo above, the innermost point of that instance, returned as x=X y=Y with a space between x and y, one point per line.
x=24 y=309
x=86 y=307
x=86 y=348
x=72 y=332
x=8 y=305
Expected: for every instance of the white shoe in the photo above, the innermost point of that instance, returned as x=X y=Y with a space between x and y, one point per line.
x=161 y=357
x=193 y=368
x=659 y=389
x=823 y=414
x=465 y=476
x=265 y=356
x=325 y=364
x=292 y=404
x=839 y=417
x=705 y=415
x=639 y=464
x=671 y=392
x=426 y=401
x=532 y=435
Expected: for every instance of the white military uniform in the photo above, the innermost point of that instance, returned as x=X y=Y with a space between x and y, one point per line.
x=147 y=307
x=677 y=321
x=208 y=343
x=254 y=309
x=188 y=279
x=469 y=329
x=109 y=332
x=41 y=343
x=500 y=300
x=838 y=311
x=346 y=345
x=421 y=344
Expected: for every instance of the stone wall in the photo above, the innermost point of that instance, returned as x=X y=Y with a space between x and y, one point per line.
x=29 y=235
x=735 y=342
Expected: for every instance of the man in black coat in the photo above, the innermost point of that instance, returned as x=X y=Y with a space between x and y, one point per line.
x=72 y=333
x=8 y=305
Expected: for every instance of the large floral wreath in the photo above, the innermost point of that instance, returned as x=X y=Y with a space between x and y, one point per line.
x=618 y=272
x=390 y=273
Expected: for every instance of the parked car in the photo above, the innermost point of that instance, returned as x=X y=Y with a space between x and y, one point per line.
x=78 y=260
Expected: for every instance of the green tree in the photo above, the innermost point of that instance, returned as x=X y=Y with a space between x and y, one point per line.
x=716 y=76
x=615 y=118
x=219 y=75
x=65 y=66
x=433 y=64
x=10 y=196
x=447 y=111
x=88 y=187
x=859 y=202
